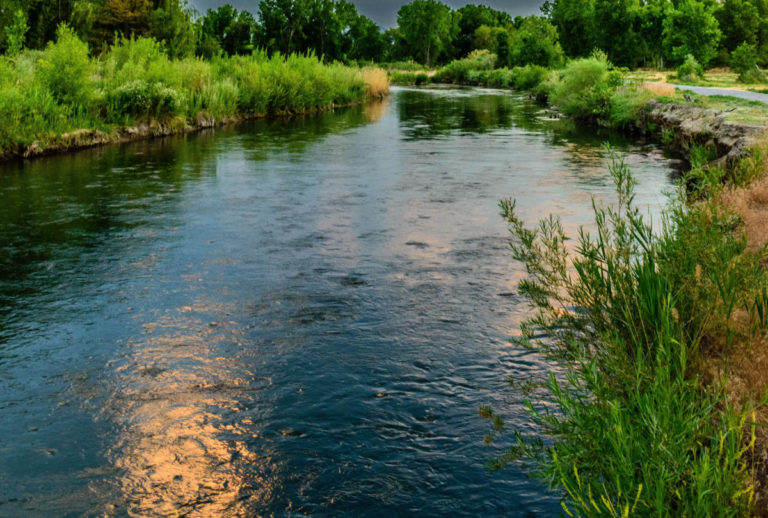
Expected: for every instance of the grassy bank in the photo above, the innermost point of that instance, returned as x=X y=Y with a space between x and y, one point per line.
x=48 y=98
x=589 y=90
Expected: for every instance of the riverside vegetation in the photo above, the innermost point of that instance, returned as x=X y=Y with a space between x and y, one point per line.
x=62 y=97
x=657 y=408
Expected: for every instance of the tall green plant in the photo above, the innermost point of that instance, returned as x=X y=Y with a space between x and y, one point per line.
x=16 y=33
x=623 y=313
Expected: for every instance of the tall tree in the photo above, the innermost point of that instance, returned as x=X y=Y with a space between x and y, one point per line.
x=171 y=24
x=428 y=28
x=744 y=21
x=615 y=25
x=471 y=18
x=535 y=43
x=226 y=29
x=691 y=28
x=573 y=20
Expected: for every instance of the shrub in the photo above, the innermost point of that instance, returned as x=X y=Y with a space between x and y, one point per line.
x=409 y=78
x=529 y=76
x=690 y=69
x=457 y=71
x=626 y=104
x=623 y=313
x=65 y=69
x=585 y=88
x=140 y=98
x=744 y=62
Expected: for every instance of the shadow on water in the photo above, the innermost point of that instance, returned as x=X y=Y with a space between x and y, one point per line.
x=297 y=316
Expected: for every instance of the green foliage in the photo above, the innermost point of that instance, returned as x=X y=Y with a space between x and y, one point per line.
x=458 y=71
x=690 y=69
x=624 y=313
x=46 y=94
x=744 y=21
x=228 y=30
x=691 y=29
x=142 y=99
x=65 y=69
x=529 y=77
x=171 y=24
x=535 y=43
x=471 y=18
x=744 y=62
x=573 y=20
x=585 y=89
x=427 y=27
x=626 y=104
x=503 y=49
x=409 y=78
x=16 y=33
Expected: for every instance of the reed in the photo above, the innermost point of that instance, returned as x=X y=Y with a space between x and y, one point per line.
x=376 y=81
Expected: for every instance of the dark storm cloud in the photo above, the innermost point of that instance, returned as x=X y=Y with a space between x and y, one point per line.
x=384 y=12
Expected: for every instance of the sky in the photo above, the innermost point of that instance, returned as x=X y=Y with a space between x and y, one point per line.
x=384 y=12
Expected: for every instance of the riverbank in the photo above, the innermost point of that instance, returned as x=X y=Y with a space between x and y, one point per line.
x=62 y=99
x=656 y=407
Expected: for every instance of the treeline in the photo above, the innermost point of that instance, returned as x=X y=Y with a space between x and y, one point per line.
x=332 y=29
x=662 y=32
x=658 y=33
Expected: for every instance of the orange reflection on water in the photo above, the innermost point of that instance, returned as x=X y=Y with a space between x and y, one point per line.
x=183 y=448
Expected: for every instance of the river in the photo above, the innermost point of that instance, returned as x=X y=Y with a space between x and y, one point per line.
x=284 y=318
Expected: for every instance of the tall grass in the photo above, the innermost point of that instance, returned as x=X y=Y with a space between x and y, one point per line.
x=46 y=94
x=626 y=315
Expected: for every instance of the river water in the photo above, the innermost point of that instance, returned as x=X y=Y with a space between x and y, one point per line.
x=284 y=318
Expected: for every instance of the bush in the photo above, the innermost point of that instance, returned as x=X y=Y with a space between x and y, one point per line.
x=626 y=104
x=744 y=62
x=458 y=71
x=529 y=76
x=690 y=70
x=140 y=98
x=410 y=78
x=66 y=68
x=623 y=314
x=585 y=88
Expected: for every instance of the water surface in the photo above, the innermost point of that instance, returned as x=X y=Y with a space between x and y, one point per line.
x=283 y=318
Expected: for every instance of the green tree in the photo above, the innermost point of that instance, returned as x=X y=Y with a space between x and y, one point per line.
x=66 y=68
x=428 y=28
x=573 y=20
x=171 y=24
x=43 y=17
x=226 y=29
x=744 y=61
x=15 y=33
x=744 y=21
x=283 y=23
x=651 y=31
x=535 y=42
x=367 y=40
x=691 y=28
x=503 y=49
x=471 y=18
x=120 y=17
x=614 y=26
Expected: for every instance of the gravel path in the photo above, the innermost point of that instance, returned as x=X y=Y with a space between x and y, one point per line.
x=742 y=94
